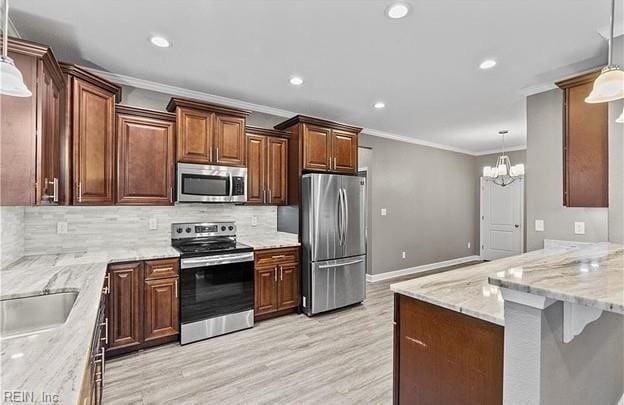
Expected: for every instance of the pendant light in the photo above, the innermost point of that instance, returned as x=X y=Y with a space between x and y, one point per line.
x=503 y=173
x=11 y=80
x=609 y=86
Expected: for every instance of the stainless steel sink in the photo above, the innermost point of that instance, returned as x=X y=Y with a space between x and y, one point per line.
x=29 y=315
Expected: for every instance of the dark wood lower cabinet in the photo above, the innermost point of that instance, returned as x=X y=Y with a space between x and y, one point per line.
x=445 y=357
x=143 y=304
x=276 y=282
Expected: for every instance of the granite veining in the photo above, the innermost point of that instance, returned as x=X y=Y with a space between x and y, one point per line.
x=466 y=289
x=270 y=240
x=54 y=361
x=590 y=275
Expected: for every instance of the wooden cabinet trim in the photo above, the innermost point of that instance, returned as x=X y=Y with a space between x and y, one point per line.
x=122 y=109
x=267 y=132
x=272 y=257
x=305 y=119
x=162 y=268
x=86 y=76
x=177 y=102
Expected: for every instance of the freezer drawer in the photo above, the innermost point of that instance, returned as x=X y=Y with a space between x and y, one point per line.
x=336 y=283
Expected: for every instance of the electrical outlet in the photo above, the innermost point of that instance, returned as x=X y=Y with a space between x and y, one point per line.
x=539 y=225
x=254 y=221
x=153 y=224
x=403 y=255
x=61 y=227
x=384 y=212
x=468 y=245
x=579 y=228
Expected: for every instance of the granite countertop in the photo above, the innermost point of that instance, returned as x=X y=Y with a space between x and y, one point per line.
x=54 y=361
x=591 y=275
x=271 y=240
x=466 y=290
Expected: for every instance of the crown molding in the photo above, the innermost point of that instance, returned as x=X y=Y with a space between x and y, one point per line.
x=231 y=102
x=13 y=32
x=499 y=151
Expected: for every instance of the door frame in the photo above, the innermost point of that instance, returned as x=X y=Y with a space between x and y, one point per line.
x=482 y=229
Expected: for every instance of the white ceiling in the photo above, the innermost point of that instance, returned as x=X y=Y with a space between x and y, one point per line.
x=424 y=67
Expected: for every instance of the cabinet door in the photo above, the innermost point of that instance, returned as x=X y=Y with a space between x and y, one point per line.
x=144 y=160
x=194 y=129
x=256 y=169
x=161 y=308
x=316 y=148
x=49 y=146
x=288 y=286
x=94 y=147
x=125 y=316
x=266 y=290
x=277 y=170
x=229 y=141
x=344 y=152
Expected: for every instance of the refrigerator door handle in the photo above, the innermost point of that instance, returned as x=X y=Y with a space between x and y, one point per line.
x=340 y=216
x=329 y=266
x=346 y=216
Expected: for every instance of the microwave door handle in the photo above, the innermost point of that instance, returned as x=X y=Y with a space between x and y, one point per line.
x=231 y=184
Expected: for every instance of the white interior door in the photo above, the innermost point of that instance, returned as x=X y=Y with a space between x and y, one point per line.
x=502 y=218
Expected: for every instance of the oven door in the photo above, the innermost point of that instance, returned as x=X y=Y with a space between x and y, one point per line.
x=204 y=183
x=216 y=295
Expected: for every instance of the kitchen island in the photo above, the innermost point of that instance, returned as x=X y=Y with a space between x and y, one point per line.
x=452 y=338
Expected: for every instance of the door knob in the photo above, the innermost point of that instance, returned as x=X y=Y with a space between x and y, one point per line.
x=517 y=226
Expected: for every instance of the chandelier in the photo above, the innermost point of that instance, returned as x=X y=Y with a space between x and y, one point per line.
x=503 y=173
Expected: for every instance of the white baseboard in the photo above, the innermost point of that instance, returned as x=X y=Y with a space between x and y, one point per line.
x=371 y=278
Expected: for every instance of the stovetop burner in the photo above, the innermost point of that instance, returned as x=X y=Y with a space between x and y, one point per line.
x=206 y=239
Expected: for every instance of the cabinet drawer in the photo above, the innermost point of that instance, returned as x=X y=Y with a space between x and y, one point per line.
x=277 y=256
x=161 y=268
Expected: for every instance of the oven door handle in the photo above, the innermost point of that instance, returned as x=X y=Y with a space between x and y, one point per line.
x=217 y=260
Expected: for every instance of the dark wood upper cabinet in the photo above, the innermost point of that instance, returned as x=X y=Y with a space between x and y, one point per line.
x=318 y=145
x=317 y=142
x=30 y=129
x=585 y=145
x=125 y=303
x=267 y=166
x=209 y=133
x=91 y=109
x=256 y=168
x=145 y=156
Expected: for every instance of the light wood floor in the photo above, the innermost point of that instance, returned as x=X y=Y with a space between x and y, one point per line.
x=343 y=357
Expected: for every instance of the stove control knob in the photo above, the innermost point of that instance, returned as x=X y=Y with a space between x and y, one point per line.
x=231 y=228
x=179 y=230
x=188 y=230
x=223 y=228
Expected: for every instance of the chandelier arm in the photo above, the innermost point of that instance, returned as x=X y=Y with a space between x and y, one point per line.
x=611 y=23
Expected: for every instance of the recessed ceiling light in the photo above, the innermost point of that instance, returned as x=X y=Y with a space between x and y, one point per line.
x=487 y=64
x=160 y=42
x=397 y=10
x=379 y=105
x=296 y=81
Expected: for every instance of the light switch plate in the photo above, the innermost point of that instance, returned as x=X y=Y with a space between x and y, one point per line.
x=403 y=255
x=579 y=228
x=61 y=227
x=539 y=225
x=384 y=212
x=153 y=224
x=254 y=221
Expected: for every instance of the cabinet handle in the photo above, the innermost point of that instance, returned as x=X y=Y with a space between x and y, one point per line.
x=105 y=325
x=176 y=288
x=171 y=195
x=55 y=188
x=264 y=196
x=79 y=191
x=270 y=199
x=281 y=273
x=106 y=289
x=334 y=162
x=275 y=274
x=278 y=257
x=101 y=360
x=217 y=152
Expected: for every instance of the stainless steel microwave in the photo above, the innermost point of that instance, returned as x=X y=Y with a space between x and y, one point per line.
x=205 y=183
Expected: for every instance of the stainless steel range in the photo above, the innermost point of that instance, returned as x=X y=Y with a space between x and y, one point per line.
x=216 y=280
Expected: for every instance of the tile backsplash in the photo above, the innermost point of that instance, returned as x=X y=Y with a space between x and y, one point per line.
x=92 y=228
x=11 y=234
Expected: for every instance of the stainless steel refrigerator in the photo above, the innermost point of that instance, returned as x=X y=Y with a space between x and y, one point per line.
x=334 y=242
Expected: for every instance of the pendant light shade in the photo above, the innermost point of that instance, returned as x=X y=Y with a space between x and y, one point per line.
x=11 y=80
x=609 y=86
x=620 y=119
